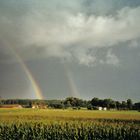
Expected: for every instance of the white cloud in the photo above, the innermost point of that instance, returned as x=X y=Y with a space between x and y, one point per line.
x=134 y=44
x=106 y=30
x=62 y=33
x=112 y=58
x=86 y=59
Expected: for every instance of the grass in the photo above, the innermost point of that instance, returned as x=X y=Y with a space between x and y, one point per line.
x=53 y=114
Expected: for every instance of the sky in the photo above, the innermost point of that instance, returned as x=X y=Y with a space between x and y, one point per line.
x=80 y=48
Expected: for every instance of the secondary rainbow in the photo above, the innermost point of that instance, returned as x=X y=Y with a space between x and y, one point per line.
x=71 y=83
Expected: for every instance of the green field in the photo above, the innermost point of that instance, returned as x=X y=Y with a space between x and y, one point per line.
x=42 y=124
x=68 y=114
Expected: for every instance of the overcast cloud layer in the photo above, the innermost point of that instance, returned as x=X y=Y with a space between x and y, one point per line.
x=86 y=33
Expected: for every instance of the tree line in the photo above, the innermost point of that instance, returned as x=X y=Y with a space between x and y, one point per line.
x=76 y=103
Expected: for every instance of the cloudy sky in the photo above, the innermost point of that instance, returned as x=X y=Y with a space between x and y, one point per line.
x=82 y=48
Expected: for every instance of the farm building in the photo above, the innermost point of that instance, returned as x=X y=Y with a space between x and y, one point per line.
x=39 y=106
x=102 y=108
x=11 y=106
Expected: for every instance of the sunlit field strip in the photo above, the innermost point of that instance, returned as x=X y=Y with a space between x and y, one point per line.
x=41 y=114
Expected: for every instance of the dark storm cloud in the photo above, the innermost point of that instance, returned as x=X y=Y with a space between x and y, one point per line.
x=86 y=35
x=66 y=30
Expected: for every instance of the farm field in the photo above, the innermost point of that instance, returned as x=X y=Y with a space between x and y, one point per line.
x=68 y=114
x=47 y=124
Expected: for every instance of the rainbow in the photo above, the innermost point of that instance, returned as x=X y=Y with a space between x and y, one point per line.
x=36 y=88
x=72 y=86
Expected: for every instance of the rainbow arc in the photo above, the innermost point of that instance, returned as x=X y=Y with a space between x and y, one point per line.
x=36 y=88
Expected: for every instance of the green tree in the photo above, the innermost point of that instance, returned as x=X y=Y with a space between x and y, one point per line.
x=118 y=105
x=95 y=102
x=124 y=105
x=137 y=106
x=112 y=104
x=107 y=103
x=129 y=104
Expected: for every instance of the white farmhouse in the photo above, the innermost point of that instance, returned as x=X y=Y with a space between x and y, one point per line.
x=100 y=108
x=104 y=108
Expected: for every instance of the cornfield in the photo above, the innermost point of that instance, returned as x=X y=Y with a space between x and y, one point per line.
x=72 y=129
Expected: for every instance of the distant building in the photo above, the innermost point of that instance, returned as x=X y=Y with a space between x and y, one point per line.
x=35 y=106
x=11 y=106
x=39 y=106
x=102 y=108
